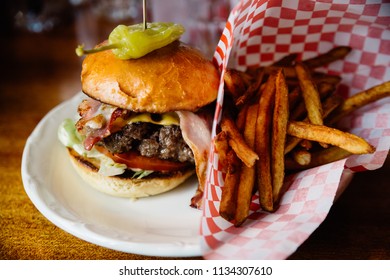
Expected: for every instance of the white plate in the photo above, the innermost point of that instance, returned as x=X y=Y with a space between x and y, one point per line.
x=163 y=225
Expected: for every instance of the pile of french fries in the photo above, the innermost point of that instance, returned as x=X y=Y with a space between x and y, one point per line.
x=280 y=119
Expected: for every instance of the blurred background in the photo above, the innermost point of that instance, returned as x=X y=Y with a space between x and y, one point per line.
x=93 y=20
x=41 y=35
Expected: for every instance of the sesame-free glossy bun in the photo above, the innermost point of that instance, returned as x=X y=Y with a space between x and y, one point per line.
x=125 y=186
x=175 y=77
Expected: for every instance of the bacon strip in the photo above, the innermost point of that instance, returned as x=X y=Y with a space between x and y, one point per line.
x=196 y=132
x=88 y=108
x=105 y=124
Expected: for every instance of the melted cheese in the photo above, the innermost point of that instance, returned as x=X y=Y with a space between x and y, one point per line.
x=164 y=119
x=104 y=112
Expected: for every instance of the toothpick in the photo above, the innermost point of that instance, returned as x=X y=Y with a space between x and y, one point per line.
x=144 y=14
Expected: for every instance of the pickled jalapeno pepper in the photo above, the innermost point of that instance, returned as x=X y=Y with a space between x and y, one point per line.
x=134 y=41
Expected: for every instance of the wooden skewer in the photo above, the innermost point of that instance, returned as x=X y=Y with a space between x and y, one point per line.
x=144 y=14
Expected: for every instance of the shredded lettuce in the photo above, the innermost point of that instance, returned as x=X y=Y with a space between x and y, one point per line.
x=108 y=167
x=139 y=174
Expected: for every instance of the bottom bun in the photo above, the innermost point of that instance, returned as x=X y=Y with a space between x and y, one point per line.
x=123 y=186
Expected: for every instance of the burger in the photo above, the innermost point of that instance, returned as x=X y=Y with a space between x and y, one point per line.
x=144 y=125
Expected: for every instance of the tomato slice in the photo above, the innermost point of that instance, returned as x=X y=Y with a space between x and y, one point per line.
x=135 y=160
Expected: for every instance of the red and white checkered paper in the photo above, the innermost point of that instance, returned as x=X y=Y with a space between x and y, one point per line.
x=260 y=32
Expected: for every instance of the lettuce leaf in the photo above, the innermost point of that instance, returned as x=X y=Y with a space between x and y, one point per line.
x=69 y=137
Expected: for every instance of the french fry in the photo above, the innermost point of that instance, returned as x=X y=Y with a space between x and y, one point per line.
x=241 y=118
x=236 y=82
x=291 y=143
x=323 y=156
x=287 y=60
x=271 y=123
x=262 y=147
x=317 y=78
x=320 y=133
x=359 y=100
x=252 y=89
x=302 y=156
x=221 y=145
x=294 y=97
x=310 y=95
x=227 y=206
x=289 y=71
x=324 y=90
x=279 y=128
x=326 y=58
x=247 y=176
x=318 y=158
x=306 y=144
x=237 y=142
x=329 y=105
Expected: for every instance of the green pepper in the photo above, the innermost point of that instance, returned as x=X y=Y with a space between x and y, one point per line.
x=135 y=41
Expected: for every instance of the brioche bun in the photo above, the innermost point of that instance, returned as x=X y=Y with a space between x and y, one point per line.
x=122 y=186
x=173 y=78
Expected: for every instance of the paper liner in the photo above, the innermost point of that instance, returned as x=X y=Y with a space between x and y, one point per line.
x=260 y=32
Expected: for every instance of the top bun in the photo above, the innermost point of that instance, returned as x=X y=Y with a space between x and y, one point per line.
x=175 y=77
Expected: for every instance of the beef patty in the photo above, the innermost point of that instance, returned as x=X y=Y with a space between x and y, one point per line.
x=150 y=140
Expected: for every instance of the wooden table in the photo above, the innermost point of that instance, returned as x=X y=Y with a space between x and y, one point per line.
x=39 y=71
